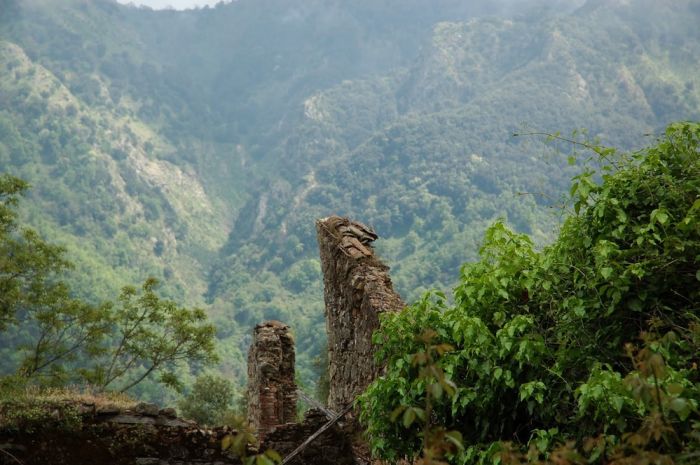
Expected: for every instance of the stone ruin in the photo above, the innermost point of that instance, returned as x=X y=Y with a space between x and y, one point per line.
x=81 y=433
x=272 y=391
x=357 y=289
x=272 y=402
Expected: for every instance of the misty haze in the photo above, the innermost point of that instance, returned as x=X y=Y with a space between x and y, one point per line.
x=526 y=169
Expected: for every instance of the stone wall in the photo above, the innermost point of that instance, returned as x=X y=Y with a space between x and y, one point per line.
x=83 y=434
x=357 y=289
x=272 y=391
x=332 y=447
x=86 y=434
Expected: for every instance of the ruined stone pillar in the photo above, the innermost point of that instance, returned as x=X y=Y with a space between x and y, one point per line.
x=272 y=391
x=357 y=288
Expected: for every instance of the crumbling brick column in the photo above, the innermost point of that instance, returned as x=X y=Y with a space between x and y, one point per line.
x=357 y=288
x=272 y=391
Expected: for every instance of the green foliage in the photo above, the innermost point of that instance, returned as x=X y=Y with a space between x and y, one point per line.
x=151 y=136
x=152 y=336
x=31 y=415
x=65 y=330
x=36 y=300
x=547 y=344
x=65 y=339
x=209 y=401
x=116 y=347
x=29 y=409
x=437 y=441
x=243 y=444
x=27 y=263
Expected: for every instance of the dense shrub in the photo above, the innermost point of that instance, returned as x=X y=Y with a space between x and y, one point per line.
x=585 y=351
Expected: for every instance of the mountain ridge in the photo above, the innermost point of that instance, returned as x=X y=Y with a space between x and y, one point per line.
x=202 y=145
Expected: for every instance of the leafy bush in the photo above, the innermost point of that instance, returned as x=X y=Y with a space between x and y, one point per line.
x=209 y=400
x=585 y=351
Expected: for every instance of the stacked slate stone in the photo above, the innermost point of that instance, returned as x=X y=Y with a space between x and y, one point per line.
x=332 y=447
x=357 y=288
x=88 y=434
x=272 y=390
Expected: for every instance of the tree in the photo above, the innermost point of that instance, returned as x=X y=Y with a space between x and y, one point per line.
x=113 y=347
x=209 y=400
x=152 y=336
x=27 y=263
x=67 y=331
x=65 y=339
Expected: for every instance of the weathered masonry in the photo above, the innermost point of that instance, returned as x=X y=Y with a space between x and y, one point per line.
x=357 y=289
x=76 y=433
x=272 y=401
x=272 y=391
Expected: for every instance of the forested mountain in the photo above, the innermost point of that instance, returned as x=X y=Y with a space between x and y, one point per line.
x=200 y=146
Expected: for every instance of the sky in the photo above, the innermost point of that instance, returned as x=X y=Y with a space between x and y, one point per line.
x=184 y=4
x=177 y=4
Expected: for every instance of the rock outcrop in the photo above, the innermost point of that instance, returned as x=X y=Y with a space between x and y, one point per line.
x=272 y=390
x=357 y=289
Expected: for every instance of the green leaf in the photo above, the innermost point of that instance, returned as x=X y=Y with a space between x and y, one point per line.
x=397 y=411
x=455 y=437
x=659 y=215
x=675 y=389
x=263 y=460
x=618 y=403
x=635 y=305
x=226 y=442
x=621 y=216
x=273 y=455
x=497 y=373
x=682 y=407
x=436 y=390
x=409 y=417
x=420 y=413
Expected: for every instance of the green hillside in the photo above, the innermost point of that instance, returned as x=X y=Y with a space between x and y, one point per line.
x=427 y=155
x=200 y=146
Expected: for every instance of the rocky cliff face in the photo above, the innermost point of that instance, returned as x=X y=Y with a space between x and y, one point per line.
x=272 y=391
x=357 y=289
